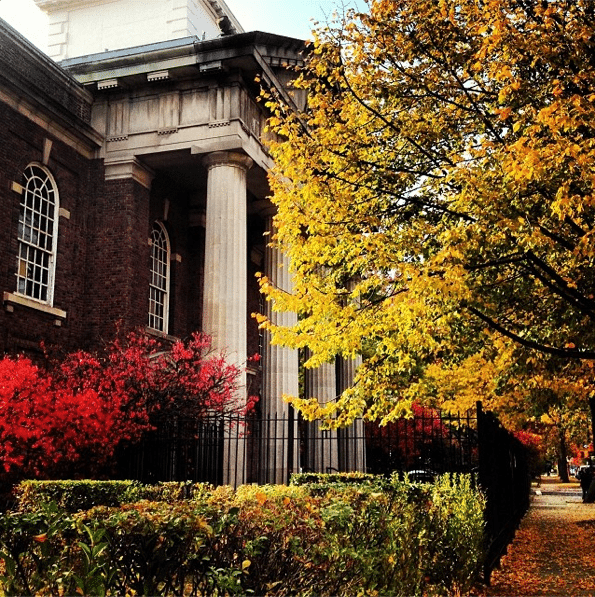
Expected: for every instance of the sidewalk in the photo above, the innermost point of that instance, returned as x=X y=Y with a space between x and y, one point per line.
x=553 y=552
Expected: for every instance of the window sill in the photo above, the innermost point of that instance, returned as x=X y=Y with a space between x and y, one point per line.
x=17 y=299
x=161 y=335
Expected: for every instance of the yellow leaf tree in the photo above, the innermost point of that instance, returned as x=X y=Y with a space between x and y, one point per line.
x=435 y=196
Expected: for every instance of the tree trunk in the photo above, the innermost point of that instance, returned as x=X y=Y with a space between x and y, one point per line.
x=592 y=408
x=562 y=460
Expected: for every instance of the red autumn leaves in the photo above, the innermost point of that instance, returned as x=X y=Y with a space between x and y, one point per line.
x=70 y=417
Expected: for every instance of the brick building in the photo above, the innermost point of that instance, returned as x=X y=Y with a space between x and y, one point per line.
x=133 y=182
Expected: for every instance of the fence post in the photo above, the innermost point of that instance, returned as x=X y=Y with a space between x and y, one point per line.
x=504 y=481
x=485 y=442
x=482 y=447
x=234 y=457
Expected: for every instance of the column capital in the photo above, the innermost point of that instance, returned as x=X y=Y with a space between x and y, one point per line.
x=228 y=158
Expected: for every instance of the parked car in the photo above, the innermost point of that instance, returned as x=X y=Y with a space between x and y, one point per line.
x=422 y=475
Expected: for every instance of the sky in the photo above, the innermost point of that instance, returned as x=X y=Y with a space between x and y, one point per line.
x=284 y=17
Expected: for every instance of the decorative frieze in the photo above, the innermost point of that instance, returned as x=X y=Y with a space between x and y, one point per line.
x=209 y=67
x=216 y=125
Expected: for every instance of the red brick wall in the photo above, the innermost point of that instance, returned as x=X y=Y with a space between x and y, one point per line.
x=22 y=65
x=117 y=263
x=102 y=267
x=22 y=143
x=103 y=260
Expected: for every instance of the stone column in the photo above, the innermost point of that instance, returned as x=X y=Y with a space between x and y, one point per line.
x=352 y=441
x=280 y=376
x=225 y=294
x=322 y=455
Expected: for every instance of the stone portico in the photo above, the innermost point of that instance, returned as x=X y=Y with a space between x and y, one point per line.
x=183 y=135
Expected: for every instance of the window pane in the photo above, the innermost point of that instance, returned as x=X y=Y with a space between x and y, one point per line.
x=36 y=234
x=159 y=286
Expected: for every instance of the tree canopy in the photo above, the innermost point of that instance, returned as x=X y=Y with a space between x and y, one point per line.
x=436 y=198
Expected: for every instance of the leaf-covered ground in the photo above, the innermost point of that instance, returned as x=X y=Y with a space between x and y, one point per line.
x=553 y=552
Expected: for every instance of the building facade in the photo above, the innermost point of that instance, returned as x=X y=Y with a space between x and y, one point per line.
x=133 y=181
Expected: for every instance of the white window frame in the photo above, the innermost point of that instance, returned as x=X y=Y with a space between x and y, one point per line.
x=37 y=235
x=159 y=279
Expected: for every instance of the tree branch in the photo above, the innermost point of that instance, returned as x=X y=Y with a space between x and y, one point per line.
x=586 y=355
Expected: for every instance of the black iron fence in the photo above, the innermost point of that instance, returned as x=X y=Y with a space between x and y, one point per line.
x=431 y=442
x=233 y=450
x=505 y=479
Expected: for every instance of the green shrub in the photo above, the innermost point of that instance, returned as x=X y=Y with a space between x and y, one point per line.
x=457 y=526
x=385 y=536
x=75 y=496
x=32 y=551
x=331 y=478
x=153 y=548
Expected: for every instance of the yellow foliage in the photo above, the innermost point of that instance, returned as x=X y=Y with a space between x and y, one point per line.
x=435 y=199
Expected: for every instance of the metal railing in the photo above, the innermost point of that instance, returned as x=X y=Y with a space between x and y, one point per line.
x=505 y=479
x=431 y=441
x=234 y=450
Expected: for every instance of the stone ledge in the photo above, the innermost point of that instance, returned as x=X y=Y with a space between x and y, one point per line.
x=16 y=299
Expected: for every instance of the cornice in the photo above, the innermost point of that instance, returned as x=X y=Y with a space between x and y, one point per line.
x=183 y=52
x=58 y=5
x=43 y=92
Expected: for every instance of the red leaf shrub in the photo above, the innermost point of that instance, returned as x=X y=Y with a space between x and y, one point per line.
x=533 y=441
x=407 y=443
x=44 y=425
x=74 y=415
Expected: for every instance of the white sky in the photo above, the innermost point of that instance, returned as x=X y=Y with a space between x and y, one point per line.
x=284 y=17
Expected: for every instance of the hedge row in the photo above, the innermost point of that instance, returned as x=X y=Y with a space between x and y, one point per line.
x=394 y=538
x=73 y=496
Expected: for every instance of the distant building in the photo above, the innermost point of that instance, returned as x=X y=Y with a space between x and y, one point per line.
x=133 y=181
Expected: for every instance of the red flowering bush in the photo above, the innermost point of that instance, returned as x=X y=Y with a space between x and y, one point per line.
x=72 y=416
x=530 y=440
x=533 y=442
x=44 y=425
x=186 y=378
x=411 y=442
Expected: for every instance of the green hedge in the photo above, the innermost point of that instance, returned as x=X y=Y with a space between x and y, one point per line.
x=74 y=496
x=393 y=537
x=332 y=478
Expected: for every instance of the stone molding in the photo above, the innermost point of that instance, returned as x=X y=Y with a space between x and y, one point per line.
x=87 y=144
x=129 y=168
x=17 y=299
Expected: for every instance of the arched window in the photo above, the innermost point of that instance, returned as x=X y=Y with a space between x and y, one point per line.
x=159 y=285
x=38 y=235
